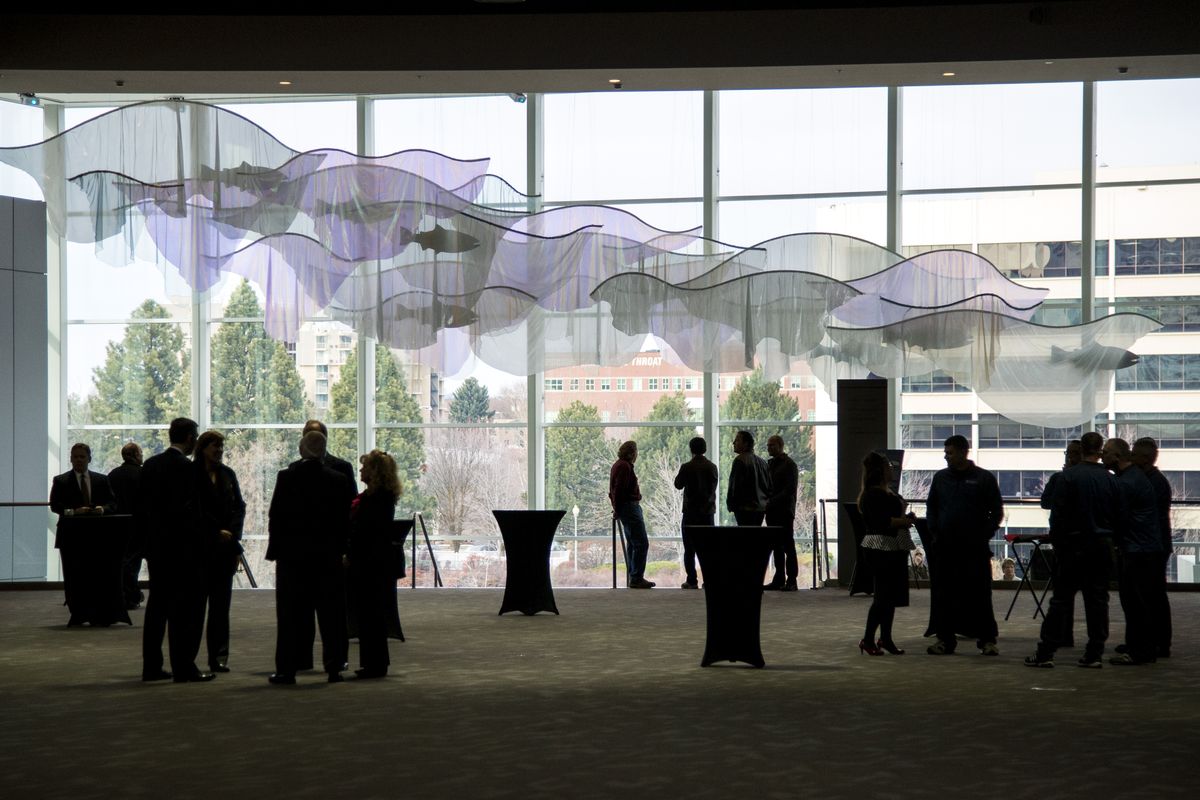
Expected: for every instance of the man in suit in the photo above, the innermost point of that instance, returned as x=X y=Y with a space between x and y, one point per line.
x=698 y=479
x=749 y=483
x=329 y=460
x=174 y=552
x=308 y=527
x=126 y=482
x=781 y=512
x=78 y=492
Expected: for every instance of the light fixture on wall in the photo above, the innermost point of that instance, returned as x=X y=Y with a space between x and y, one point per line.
x=614 y=83
x=30 y=99
x=517 y=97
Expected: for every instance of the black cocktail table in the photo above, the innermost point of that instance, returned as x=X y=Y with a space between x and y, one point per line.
x=527 y=539
x=92 y=550
x=734 y=562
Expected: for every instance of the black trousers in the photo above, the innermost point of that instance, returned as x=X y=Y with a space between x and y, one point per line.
x=177 y=600
x=1082 y=564
x=374 y=594
x=1139 y=584
x=965 y=595
x=689 y=547
x=220 y=597
x=786 y=561
x=305 y=587
x=1162 y=606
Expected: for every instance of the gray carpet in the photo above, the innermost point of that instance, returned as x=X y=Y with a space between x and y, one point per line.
x=607 y=700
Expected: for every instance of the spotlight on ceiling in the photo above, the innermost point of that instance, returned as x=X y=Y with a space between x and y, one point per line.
x=517 y=97
x=30 y=99
x=614 y=83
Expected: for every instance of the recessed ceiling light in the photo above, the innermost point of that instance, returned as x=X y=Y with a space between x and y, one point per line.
x=285 y=83
x=1048 y=62
x=614 y=80
x=948 y=74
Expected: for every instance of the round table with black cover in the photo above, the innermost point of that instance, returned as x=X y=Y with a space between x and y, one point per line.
x=527 y=539
x=734 y=562
x=92 y=548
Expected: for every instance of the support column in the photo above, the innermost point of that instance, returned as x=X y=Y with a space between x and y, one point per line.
x=53 y=123
x=365 y=347
x=712 y=193
x=1087 y=233
x=895 y=230
x=535 y=431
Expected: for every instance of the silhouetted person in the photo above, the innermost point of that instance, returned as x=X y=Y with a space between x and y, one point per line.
x=781 y=512
x=371 y=581
x=698 y=480
x=1071 y=456
x=330 y=460
x=1145 y=456
x=79 y=492
x=626 y=498
x=1139 y=547
x=175 y=555
x=222 y=511
x=126 y=483
x=749 y=483
x=1087 y=512
x=308 y=527
x=886 y=552
x=964 y=509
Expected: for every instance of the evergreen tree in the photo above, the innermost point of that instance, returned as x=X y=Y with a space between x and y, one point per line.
x=470 y=403
x=393 y=403
x=577 y=464
x=672 y=441
x=253 y=377
x=145 y=379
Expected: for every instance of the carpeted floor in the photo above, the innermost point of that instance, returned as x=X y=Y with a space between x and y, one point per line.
x=606 y=700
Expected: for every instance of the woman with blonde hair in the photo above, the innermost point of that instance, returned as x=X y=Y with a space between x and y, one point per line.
x=370 y=580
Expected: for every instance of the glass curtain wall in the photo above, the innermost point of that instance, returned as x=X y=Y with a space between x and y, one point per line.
x=994 y=169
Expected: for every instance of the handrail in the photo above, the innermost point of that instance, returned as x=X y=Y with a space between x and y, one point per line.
x=22 y=503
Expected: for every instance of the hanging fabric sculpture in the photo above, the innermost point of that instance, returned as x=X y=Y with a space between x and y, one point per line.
x=430 y=253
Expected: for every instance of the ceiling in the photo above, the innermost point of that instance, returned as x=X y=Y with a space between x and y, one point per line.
x=485 y=47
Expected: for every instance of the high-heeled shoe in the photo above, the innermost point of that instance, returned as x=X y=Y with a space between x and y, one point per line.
x=869 y=649
x=890 y=647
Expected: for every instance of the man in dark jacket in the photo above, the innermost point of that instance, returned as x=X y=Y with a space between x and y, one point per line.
x=781 y=512
x=749 y=483
x=1086 y=514
x=1139 y=544
x=126 y=482
x=698 y=480
x=175 y=549
x=83 y=493
x=333 y=462
x=308 y=527
x=964 y=509
x=1145 y=456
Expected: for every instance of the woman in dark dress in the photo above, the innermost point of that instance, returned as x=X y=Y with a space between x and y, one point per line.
x=372 y=582
x=221 y=512
x=885 y=547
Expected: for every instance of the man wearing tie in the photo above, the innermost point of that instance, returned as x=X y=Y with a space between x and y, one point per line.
x=78 y=492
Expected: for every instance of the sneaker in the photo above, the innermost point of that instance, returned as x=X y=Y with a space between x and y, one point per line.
x=989 y=649
x=790 y=586
x=1090 y=662
x=1045 y=662
x=641 y=583
x=939 y=648
x=689 y=585
x=1125 y=660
